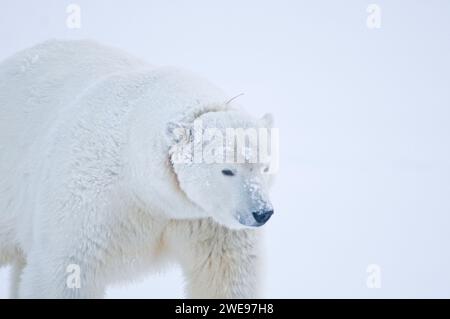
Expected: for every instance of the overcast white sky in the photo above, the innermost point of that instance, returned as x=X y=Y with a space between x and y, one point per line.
x=364 y=118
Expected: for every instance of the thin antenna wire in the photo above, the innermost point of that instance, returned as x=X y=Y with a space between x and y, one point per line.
x=233 y=98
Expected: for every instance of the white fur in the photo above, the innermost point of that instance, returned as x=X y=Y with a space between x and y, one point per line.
x=86 y=178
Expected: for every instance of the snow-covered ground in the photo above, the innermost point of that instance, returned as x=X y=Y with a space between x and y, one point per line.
x=364 y=118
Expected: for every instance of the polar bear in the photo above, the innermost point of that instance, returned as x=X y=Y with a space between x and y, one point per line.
x=90 y=193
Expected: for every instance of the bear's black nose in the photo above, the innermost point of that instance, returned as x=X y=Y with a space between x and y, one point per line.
x=262 y=216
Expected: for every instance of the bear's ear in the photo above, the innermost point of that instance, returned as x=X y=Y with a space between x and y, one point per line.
x=177 y=132
x=267 y=120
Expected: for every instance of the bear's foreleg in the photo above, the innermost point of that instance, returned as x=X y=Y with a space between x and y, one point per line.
x=49 y=275
x=217 y=262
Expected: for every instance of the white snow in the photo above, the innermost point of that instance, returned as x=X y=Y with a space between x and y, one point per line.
x=364 y=124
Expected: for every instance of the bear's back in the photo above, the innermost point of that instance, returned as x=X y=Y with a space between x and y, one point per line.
x=36 y=86
x=38 y=83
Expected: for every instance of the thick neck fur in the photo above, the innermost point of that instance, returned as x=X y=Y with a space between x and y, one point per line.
x=155 y=190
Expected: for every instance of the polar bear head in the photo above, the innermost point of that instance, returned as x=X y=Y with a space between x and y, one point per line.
x=222 y=164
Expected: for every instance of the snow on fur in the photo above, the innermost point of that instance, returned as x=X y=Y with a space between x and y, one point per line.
x=86 y=177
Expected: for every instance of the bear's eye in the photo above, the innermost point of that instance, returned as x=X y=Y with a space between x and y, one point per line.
x=227 y=172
